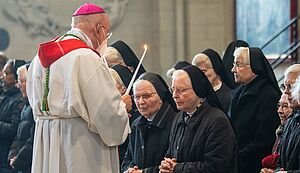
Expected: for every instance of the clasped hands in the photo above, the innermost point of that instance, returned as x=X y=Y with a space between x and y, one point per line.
x=135 y=169
x=167 y=165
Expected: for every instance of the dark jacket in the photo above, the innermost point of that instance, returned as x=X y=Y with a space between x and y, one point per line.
x=148 y=143
x=19 y=146
x=203 y=144
x=224 y=96
x=134 y=114
x=10 y=111
x=254 y=118
x=289 y=158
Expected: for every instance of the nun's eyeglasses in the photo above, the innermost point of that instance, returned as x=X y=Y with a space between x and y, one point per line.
x=283 y=106
x=143 y=97
x=178 y=90
x=238 y=64
x=287 y=86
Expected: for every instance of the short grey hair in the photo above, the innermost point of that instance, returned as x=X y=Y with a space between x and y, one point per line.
x=295 y=68
x=296 y=90
x=244 y=53
x=179 y=73
x=202 y=58
x=113 y=57
x=81 y=19
x=22 y=69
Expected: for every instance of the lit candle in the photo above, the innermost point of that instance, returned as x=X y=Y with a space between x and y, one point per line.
x=136 y=70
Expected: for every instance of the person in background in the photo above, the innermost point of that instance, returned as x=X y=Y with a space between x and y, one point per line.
x=10 y=111
x=81 y=118
x=3 y=60
x=148 y=141
x=212 y=66
x=289 y=147
x=120 y=53
x=284 y=111
x=228 y=57
x=123 y=76
x=254 y=107
x=202 y=139
x=20 y=155
x=178 y=65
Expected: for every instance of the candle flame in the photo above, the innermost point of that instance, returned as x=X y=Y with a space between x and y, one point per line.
x=145 y=46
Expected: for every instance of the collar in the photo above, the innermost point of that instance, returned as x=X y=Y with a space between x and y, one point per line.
x=151 y=117
x=253 y=87
x=198 y=115
x=160 y=117
x=217 y=87
x=79 y=33
x=199 y=105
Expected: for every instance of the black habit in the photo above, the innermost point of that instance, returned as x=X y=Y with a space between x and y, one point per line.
x=254 y=114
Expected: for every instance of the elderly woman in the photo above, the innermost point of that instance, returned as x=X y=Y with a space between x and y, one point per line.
x=284 y=111
x=122 y=76
x=228 y=57
x=253 y=108
x=290 y=152
x=202 y=139
x=218 y=75
x=120 y=53
x=148 y=141
x=21 y=150
x=10 y=111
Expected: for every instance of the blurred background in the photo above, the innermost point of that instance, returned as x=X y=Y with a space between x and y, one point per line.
x=172 y=29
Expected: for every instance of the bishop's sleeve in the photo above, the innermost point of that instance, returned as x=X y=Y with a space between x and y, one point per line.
x=106 y=111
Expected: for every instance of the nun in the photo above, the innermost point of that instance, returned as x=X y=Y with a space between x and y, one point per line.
x=120 y=53
x=210 y=63
x=178 y=65
x=202 y=139
x=228 y=55
x=254 y=107
x=149 y=138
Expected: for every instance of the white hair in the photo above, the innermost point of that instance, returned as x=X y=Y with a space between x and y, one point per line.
x=113 y=57
x=179 y=73
x=143 y=80
x=244 y=53
x=295 y=68
x=23 y=70
x=202 y=58
x=296 y=90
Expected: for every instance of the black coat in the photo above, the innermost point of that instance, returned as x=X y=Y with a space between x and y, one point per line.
x=19 y=148
x=10 y=111
x=254 y=118
x=134 y=114
x=289 y=147
x=224 y=96
x=148 y=143
x=204 y=144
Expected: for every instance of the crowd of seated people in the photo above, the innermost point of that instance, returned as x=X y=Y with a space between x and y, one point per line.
x=213 y=117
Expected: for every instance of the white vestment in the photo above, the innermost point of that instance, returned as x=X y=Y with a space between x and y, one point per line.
x=86 y=120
